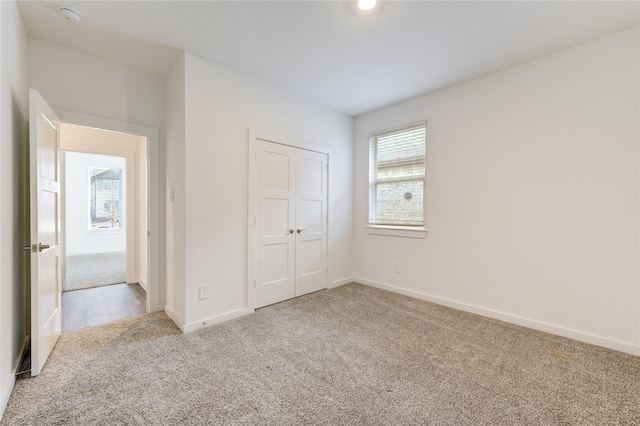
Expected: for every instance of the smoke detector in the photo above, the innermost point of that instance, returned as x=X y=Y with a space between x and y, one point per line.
x=71 y=14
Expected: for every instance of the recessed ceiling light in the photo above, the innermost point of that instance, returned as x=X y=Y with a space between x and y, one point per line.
x=71 y=14
x=366 y=4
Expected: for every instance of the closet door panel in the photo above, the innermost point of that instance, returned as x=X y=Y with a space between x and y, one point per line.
x=275 y=256
x=311 y=222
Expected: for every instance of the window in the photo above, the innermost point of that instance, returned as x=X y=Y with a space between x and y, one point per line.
x=396 y=177
x=104 y=199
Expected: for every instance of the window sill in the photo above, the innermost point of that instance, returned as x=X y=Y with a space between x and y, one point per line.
x=397 y=231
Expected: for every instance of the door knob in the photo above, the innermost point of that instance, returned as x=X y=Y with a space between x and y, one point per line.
x=300 y=230
x=291 y=230
x=43 y=246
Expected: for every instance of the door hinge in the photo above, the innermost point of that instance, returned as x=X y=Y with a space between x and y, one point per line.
x=254 y=283
x=255 y=221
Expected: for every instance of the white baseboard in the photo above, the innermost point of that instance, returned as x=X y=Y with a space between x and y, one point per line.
x=340 y=282
x=143 y=284
x=179 y=322
x=513 y=319
x=197 y=325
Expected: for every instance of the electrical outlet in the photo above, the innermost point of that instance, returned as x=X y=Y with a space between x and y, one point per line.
x=396 y=268
x=204 y=292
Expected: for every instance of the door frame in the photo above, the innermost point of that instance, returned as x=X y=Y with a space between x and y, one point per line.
x=154 y=300
x=256 y=135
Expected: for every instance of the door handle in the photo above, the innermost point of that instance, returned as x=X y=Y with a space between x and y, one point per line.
x=300 y=230
x=33 y=248
x=42 y=247
x=290 y=230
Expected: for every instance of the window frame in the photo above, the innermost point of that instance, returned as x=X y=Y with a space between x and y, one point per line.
x=407 y=231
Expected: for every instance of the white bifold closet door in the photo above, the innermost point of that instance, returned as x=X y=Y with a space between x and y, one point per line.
x=291 y=223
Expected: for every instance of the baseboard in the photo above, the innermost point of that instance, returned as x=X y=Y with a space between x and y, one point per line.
x=143 y=284
x=179 y=322
x=197 y=325
x=340 y=282
x=513 y=319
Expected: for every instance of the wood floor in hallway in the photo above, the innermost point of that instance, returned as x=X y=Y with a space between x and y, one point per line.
x=93 y=306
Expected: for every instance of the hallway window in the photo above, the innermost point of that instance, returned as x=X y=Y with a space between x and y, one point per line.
x=105 y=195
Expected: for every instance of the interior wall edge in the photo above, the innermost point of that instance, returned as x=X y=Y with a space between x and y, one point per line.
x=179 y=322
x=6 y=392
x=603 y=341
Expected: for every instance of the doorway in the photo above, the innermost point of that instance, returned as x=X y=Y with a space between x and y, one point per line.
x=47 y=220
x=104 y=212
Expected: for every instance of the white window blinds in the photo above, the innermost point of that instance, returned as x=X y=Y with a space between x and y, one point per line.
x=396 y=177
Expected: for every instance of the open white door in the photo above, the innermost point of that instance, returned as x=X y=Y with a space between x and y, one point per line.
x=46 y=288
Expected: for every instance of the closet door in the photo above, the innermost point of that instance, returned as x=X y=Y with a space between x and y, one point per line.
x=311 y=222
x=275 y=220
x=291 y=223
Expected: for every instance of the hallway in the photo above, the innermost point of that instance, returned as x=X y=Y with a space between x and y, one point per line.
x=100 y=305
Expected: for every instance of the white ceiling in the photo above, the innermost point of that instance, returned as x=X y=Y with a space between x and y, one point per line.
x=328 y=51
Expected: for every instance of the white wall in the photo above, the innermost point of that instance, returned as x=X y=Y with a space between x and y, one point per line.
x=532 y=196
x=175 y=249
x=73 y=81
x=80 y=239
x=14 y=228
x=221 y=106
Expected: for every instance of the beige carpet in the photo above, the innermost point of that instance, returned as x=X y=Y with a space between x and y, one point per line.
x=348 y=356
x=95 y=270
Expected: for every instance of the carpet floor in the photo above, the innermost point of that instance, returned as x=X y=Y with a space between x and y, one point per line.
x=353 y=355
x=94 y=270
